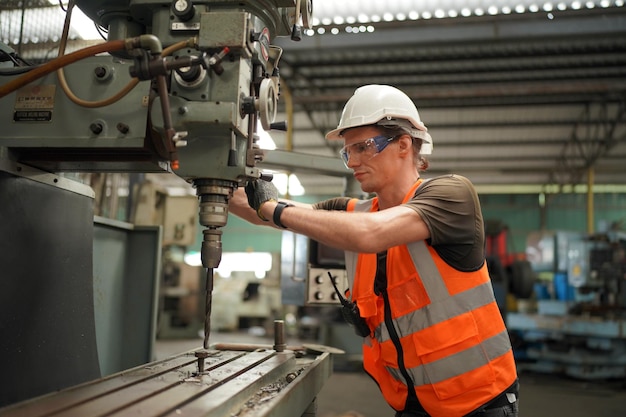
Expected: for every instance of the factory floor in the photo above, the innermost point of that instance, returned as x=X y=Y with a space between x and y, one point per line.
x=354 y=394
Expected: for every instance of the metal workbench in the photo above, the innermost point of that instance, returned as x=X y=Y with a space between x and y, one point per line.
x=232 y=384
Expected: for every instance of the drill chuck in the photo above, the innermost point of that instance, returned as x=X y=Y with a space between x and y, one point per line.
x=211 y=252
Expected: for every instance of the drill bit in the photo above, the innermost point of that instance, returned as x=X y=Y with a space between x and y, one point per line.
x=207 y=310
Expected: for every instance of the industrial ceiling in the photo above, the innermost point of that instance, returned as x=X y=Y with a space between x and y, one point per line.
x=519 y=99
x=514 y=101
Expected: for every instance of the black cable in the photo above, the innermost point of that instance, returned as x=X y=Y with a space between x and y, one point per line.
x=21 y=66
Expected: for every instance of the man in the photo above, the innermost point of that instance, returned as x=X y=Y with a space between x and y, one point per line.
x=434 y=339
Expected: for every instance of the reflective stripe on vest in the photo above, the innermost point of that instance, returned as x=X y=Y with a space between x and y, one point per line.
x=445 y=306
x=458 y=364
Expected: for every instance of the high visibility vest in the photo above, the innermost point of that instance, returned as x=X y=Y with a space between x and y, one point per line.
x=455 y=346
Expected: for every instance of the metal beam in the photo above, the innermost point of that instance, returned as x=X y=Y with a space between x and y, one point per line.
x=304 y=163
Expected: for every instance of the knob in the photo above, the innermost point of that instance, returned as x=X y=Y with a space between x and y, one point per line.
x=183 y=9
x=189 y=74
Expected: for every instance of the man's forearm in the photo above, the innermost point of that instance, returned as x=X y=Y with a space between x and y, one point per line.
x=328 y=227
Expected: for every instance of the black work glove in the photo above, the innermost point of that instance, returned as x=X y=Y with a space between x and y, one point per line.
x=259 y=192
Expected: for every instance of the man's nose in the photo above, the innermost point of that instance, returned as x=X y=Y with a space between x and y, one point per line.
x=353 y=160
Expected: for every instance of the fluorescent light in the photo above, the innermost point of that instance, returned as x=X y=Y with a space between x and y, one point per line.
x=259 y=262
x=372 y=11
x=288 y=184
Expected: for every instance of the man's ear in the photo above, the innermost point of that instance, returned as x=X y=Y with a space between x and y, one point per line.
x=405 y=143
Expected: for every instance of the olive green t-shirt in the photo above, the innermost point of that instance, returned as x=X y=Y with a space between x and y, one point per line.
x=450 y=207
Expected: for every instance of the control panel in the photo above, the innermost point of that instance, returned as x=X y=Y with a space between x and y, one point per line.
x=320 y=289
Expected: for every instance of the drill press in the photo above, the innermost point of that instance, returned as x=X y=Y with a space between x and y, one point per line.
x=208 y=74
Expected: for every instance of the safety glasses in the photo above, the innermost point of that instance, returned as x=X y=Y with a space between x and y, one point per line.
x=366 y=149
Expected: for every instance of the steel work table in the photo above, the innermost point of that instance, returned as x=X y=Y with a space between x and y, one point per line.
x=232 y=384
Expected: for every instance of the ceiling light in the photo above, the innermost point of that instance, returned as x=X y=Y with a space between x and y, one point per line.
x=376 y=11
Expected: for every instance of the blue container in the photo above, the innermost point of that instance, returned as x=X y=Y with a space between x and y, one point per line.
x=541 y=291
x=562 y=289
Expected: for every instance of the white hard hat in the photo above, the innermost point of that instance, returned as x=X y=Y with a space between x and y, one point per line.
x=386 y=106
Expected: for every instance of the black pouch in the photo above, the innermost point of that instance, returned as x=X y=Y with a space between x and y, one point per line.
x=351 y=314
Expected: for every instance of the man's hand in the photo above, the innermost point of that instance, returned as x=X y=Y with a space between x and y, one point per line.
x=259 y=192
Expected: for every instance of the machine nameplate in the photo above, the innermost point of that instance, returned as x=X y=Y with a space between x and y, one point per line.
x=34 y=103
x=185 y=26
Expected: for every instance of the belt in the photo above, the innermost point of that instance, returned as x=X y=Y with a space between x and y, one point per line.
x=508 y=397
x=499 y=406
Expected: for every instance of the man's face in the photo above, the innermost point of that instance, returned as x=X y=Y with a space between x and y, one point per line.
x=369 y=155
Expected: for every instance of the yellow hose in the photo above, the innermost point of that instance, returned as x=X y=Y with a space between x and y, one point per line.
x=60 y=62
x=131 y=84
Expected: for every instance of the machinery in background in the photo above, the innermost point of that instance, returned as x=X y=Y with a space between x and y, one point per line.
x=243 y=301
x=181 y=311
x=578 y=327
x=305 y=282
x=511 y=273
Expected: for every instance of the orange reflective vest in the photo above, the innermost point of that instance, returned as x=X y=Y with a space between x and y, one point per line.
x=455 y=346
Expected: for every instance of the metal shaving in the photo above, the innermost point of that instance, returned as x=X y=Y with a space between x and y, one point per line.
x=265 y=394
